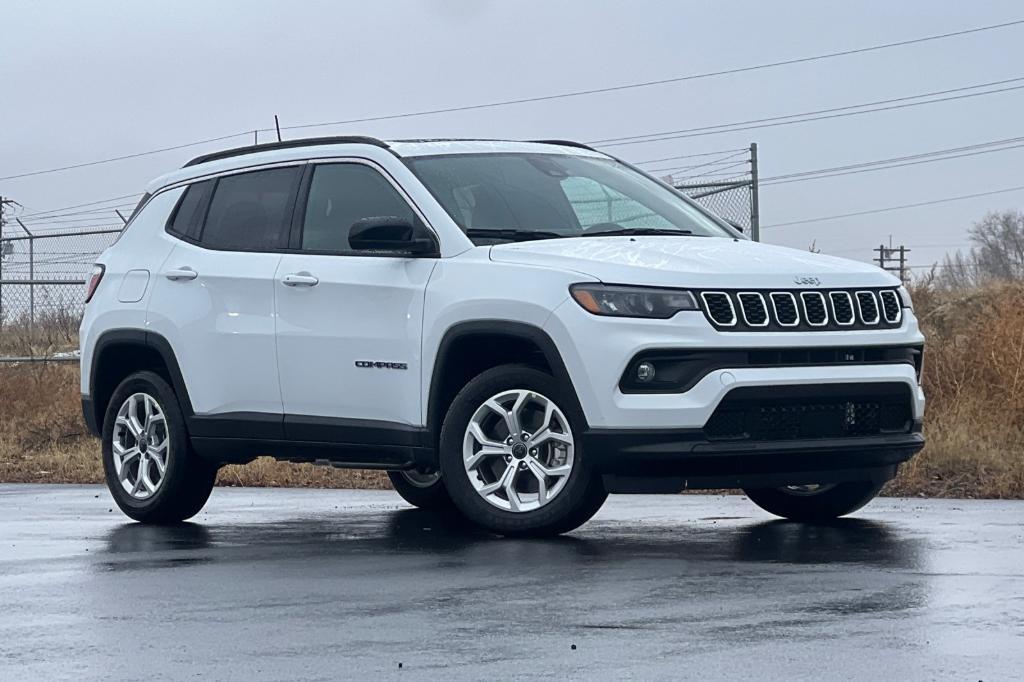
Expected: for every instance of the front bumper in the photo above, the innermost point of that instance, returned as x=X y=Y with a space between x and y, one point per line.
x=671 y=460
x=597 y=350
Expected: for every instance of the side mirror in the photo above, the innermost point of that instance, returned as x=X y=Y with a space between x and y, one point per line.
x=389 y=234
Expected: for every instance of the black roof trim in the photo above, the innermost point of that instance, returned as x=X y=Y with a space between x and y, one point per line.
x=418 y=140
x=287 y=144
x=566 y=143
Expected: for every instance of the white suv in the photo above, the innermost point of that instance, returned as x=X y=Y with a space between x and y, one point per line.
x=513 y=329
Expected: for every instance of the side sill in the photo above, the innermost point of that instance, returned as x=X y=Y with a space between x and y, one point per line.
x=347 y=455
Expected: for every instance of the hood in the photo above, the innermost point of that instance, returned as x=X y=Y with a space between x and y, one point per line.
x=699 y=262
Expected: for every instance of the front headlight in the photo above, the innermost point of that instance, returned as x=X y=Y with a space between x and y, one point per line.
x=905 y=297
x=623 y=301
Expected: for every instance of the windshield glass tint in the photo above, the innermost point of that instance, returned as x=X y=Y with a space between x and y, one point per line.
x=557 y=195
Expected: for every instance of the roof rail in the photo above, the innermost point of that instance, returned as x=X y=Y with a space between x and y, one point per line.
x=287 y=144
x=565 y=143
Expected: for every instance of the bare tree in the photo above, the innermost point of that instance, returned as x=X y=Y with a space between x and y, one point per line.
x=997 y=253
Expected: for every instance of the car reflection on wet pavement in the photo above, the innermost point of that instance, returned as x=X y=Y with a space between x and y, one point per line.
x=306 y=584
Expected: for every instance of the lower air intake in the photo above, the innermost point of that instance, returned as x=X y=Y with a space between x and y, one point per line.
x=809 y=412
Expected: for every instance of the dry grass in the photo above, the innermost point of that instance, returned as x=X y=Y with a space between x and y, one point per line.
x=973 y=379
x=974 y=376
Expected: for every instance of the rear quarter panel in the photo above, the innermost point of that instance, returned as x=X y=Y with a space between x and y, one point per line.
x=131 y=265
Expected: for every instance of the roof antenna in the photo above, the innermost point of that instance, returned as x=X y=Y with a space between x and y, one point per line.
x=278 y=126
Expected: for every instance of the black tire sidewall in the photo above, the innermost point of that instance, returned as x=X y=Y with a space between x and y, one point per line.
x=180 y=479
x=582 y=495
x=434 y=496
x=843 y=499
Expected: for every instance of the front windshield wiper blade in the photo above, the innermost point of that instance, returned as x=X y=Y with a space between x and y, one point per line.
x=512 y=235
x=641 y=231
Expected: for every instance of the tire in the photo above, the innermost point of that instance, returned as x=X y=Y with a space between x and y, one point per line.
x=829 y=503
x=181 y=490
x=418 y=490
x=571 y=495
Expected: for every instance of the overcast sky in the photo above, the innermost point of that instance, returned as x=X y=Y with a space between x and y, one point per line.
x=91 y=80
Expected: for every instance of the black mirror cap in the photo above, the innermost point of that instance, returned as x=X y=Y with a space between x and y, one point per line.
x=390 y=234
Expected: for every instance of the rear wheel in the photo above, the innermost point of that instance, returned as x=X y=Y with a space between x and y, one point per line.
x=821 y=502
x=425 y=491
x=151 y=470
x=510 y=455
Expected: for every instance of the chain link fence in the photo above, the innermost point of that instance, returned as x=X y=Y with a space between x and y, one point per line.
x=726 y=186
x=43 y=275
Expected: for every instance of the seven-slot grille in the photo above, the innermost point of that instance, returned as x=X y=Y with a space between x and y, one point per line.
x=803 y=310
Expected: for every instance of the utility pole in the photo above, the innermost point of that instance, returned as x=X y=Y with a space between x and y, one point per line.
x=893 y=259
x=755 y=210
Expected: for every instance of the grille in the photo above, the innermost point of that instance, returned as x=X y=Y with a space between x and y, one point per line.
x=719 y=308
x=891 y=306
x=785 y=308
x=842 y=307
x=803 y=310
x=813 y=415
x=867 y=306
x=755 y=313
x=814 y=308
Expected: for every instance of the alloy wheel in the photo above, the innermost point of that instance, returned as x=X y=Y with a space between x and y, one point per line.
x=141 y=443
x=518 y=450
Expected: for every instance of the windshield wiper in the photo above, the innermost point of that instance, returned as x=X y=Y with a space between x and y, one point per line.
x=513 y=235
x=639 y=231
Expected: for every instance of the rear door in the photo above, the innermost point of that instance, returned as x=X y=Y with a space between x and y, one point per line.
x=349 y=322
x=214 y=299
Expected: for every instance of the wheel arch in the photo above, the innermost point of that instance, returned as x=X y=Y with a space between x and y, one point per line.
x=121 y=352
x=470 y=347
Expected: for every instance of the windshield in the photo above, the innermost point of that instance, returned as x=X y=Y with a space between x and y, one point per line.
x=514 y=197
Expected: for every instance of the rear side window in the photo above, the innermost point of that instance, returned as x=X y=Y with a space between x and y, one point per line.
x=251 y=211
x=187 y=219
x=342 y=194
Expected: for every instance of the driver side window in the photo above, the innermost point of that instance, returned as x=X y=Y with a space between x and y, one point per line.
x=595 y=203
x=340 y=194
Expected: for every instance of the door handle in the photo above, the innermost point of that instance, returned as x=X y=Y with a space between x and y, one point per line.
x=181 y=274
x=300 y=279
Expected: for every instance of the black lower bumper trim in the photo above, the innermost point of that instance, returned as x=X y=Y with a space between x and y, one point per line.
x=686 y=455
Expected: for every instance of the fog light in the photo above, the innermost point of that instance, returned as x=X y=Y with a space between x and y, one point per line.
x=645 y=372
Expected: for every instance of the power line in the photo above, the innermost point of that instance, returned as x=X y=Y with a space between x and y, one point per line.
x=690 y=156
x=721 y=173
x=896 y=208
x=88 y=203
x=108 y=214
x=124 y=157
x=710 y=165
x=541 y=98
x=894 y=162
x=663 y=81
x=808 y=116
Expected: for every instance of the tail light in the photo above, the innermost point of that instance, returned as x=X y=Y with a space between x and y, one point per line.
x=94 y=281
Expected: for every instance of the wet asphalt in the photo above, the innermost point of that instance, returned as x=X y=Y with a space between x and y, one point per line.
x=309 y=584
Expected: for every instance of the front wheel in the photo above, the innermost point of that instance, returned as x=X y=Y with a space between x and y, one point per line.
x=511 y=457
x=821 y=502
